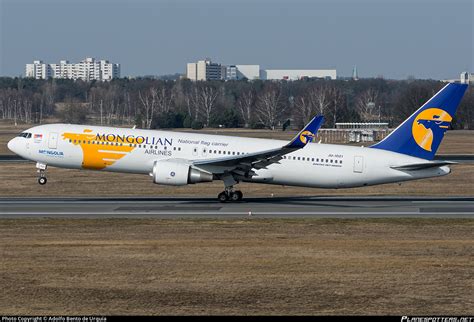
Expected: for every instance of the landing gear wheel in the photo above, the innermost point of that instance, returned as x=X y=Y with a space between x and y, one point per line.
x=239 y=194
x=234 y=196
x=42 y=180
x=222 y=197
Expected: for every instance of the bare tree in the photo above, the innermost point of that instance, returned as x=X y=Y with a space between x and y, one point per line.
x=337 y=98
x=164 y=99
x=305 y=108
x=245 y=105
x=366 y=104
x=148 y=100
x=269 y=106
x=319 y=96
x=207 y=100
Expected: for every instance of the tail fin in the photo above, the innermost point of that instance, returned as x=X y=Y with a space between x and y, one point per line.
x=307 y=134
x=420 y=135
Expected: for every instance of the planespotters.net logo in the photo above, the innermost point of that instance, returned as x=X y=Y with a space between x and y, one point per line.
x=437 y=319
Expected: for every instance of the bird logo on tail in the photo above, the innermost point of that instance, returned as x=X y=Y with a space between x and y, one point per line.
x=306 y=137
x=429 y=127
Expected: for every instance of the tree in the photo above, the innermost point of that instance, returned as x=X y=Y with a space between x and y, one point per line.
x=269 y=106
x=337 y=98
x=245 y=105
x=207 y=96
x=304 y=109
x=367 y=103
x=74 y=112
x=149 y=102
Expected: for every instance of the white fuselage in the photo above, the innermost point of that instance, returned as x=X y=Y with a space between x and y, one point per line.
x=124 y=150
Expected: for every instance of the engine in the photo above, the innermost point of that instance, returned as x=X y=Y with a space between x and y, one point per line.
x=174 y=173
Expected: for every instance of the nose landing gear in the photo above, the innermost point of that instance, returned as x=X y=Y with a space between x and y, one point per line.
x=41 y=173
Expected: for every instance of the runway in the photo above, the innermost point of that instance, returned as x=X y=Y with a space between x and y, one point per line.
x=296 y=207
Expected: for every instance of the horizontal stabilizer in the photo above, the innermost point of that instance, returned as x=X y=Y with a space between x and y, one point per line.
x=421 y=166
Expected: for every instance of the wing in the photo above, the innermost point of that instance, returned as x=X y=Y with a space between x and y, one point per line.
x=243 y=165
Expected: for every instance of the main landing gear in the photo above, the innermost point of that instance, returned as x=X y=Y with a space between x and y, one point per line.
x=41 y=173
x=230 y=194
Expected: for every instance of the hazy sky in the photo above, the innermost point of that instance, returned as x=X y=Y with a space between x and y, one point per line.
x=423 y=38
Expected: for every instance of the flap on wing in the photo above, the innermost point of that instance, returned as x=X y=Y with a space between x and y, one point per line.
x=421 y=166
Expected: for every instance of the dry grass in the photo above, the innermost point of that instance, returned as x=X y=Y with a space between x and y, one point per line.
x=19 y=179
x=320 y=266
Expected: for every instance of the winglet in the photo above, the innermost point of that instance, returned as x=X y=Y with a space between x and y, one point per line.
x=307 y=134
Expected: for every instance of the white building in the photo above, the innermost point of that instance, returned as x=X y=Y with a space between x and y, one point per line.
x=205 y=70
x=88 y=69
x=295 y=74
x=236 y=72
x=467 y=78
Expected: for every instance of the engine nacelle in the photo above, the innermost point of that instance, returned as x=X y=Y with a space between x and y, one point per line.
x=174 y=173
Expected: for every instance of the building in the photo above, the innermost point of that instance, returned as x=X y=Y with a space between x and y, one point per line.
x=205 y=70
x=467 y=78
x=237 y=72
x=355 y=75
x=88 y=69
x=295 y=74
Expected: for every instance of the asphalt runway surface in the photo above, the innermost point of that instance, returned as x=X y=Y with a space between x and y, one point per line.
x=292 y=207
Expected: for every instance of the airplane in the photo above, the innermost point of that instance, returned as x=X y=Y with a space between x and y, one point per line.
x=178 y=158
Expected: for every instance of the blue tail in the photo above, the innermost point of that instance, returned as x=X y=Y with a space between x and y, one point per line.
x=420 y=135
x=307 y=134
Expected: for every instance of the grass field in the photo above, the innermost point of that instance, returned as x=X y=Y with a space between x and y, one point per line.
x=320 y=266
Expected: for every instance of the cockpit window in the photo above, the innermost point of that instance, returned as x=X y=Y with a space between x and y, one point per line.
x=25 y=135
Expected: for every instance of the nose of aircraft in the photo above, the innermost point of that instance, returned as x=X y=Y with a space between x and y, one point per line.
x=12 y=145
